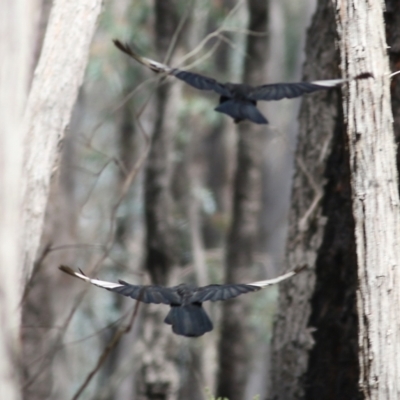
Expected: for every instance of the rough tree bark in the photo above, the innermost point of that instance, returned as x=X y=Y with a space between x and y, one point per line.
x=242 y=237
x=15 y=48
x=314 y=346
x=55 y=85
x=392 y=20
x=374 y=183
x=345 y=354
x=158 y=377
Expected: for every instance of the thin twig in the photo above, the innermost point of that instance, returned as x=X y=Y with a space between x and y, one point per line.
x=107 y=350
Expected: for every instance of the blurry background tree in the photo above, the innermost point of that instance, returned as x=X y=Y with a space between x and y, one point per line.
x=17 y=24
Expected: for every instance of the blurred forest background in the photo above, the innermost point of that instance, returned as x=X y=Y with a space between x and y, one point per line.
x=111 y=186
x=148 y=184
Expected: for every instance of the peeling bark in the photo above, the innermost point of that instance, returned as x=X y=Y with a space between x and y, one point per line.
x=352 y=242
x=374 y=182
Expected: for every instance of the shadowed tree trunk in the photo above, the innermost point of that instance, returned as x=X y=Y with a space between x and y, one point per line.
x=314 y=348
x=159 y=241
x=242 y=238
x=330 y=353
x=158 y=377
x=124 y=260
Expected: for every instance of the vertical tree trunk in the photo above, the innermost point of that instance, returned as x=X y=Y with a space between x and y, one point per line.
x=57 y=79
x=15 y=48
x=158 y=377
x=350 y=245
x=374 y=182
x=159 y=240
x=314 y=346
x=234 y=343
x=392 y=19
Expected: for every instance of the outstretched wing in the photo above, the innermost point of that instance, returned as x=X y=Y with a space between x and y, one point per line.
x=278 y=91
x=224 y=292
x=221 y=292
x=144 y=293
x=198 y=81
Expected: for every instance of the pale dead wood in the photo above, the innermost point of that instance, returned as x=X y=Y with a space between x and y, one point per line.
x=55 y=86
x=16 y=22
x=374 y=180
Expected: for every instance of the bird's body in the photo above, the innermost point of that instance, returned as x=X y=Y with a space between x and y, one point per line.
x=186 y=316
x=239 y=100
x=238 y=105
x=189 y=320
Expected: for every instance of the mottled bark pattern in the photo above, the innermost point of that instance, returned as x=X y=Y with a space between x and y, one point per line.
x=318 y=123
x=333 y=367
x=374 y=181
x=234 y=346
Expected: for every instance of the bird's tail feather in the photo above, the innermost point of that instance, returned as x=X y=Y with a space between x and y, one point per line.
x=190 y=320
x=241 y=110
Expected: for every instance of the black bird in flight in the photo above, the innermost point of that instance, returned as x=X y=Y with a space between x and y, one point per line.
x=186 y=315
x=239 y=100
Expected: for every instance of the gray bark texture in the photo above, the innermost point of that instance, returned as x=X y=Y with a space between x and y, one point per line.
x=374 y=183
x=314 y=346
x=55 y=86
x=234 y=347
x=15 y=48
x=392 y=21
x=338 y=337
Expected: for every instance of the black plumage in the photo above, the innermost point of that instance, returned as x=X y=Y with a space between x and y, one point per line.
x=238 y=100
x=187 y=316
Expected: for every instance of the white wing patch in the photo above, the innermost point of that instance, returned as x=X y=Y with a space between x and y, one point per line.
x=330 y=82
x=269 y=282
x=97 y=282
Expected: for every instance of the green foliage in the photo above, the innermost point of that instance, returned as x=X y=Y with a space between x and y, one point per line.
x=210 y=396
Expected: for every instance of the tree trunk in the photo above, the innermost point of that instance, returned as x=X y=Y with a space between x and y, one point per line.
x=242 y=238
x=55 y=86
x=392 y=19
x=158 y=377
x=374 y=183
x=339 y=359
x=15 y=48
x=314 y=346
